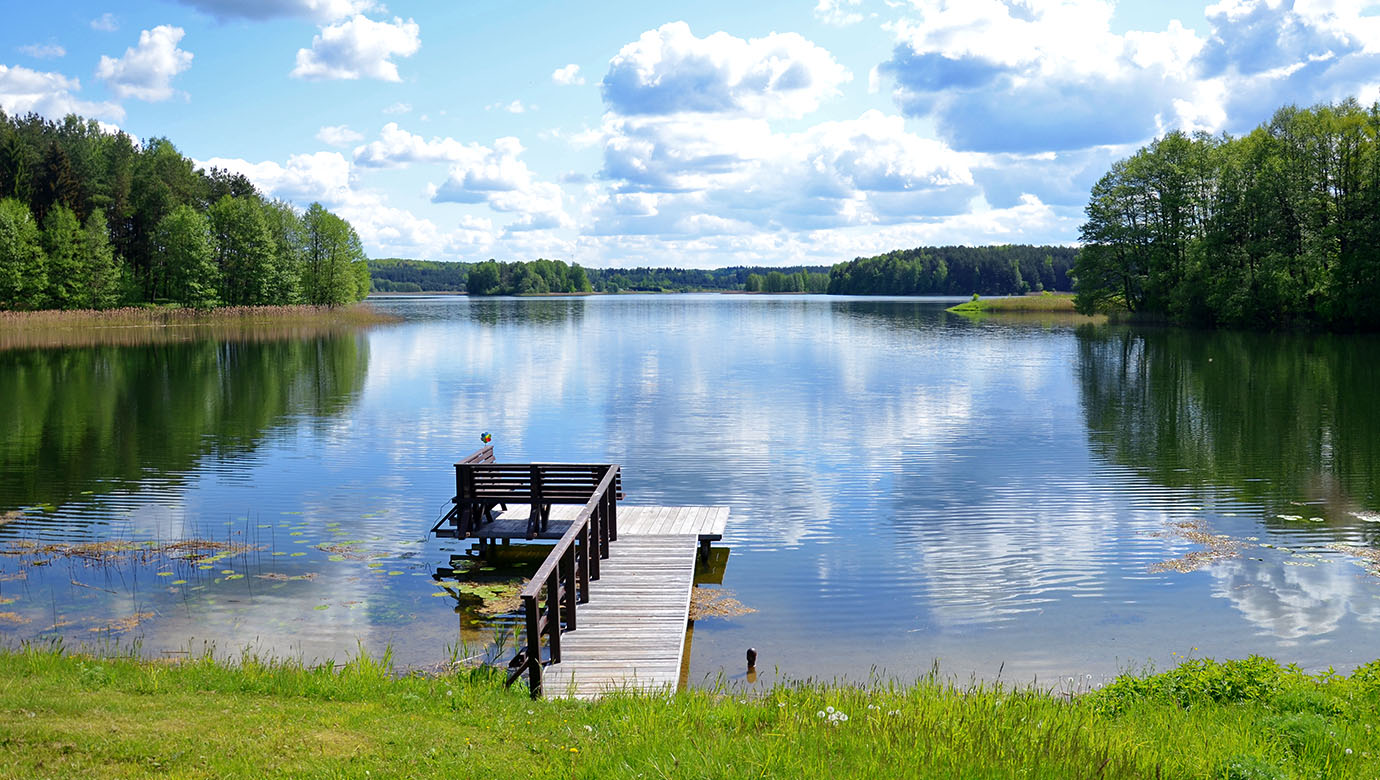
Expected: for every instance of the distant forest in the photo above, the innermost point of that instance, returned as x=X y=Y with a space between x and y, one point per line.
x=554 y=276
x=950 y=270
x=1277 y=227
x=957 y=270
x=92 y=220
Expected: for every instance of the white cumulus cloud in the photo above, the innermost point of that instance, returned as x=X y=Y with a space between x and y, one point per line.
x=1052 y=75
x=567 y=75
x=396 y=147
x=338 y=135
x=506 y=184
x=322 y=176
x=679 y=177
x=106 y=22
x=838 y=12
x=329 y=178
x=50 y=94
x=146 y=70
x=668 y=70
x=359 y=47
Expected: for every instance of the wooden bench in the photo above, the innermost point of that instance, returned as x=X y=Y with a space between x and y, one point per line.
x=482 y=484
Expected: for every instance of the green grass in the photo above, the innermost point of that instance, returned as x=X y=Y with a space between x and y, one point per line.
x=1060 y=303
x=64 y=715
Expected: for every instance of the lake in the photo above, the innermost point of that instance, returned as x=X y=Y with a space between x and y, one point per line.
x=1016 y=498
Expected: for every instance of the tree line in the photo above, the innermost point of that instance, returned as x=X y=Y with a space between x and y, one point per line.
x=957 y=270
x=802 y=281
x=550 y=276
x=91 y=219
x=1280 y=226
x=731 y=278
x=534 y=277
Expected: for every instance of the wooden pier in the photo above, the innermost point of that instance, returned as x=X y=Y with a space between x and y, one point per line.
x=609 y=607
x=705 y=523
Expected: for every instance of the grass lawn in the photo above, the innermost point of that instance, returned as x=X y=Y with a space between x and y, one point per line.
x=65 y=715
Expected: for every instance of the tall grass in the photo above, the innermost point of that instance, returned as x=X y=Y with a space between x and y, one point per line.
x=154 y=324
x=1044 y=302
x=64 y=714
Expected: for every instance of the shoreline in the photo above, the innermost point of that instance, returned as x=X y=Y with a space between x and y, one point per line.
x=67 y=714
x=139 y=325
x=1033 y=303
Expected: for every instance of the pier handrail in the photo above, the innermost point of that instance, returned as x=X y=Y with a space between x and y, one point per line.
x=482 y=484
x=563 y=578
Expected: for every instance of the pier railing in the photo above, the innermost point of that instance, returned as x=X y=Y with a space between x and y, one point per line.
x=562 y=581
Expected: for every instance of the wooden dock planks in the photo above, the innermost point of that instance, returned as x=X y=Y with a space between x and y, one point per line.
x=702 y=522
x=631 y=632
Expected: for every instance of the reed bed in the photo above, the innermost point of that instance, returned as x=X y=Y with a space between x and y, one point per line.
x=134 y=326
x=68 y=714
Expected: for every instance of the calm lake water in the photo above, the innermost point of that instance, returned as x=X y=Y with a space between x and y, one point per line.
x=906 y=485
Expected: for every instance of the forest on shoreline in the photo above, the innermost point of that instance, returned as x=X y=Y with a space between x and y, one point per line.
x=947 y=270
x=541 y=276
x=91 y=219
x=1277 y=228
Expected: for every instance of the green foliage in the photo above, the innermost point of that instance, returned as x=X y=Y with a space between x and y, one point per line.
x=956 y=270
x=1250 y=767
x=537 y=277
x=244 y=251
x=1197 y=682
x=99 y=282
x=426 y=275
x=289 y=237
x=334 y=266
x=1276 y=227
x=23 y=272
x=76 y=180
x=186 y=264
x=62 y=243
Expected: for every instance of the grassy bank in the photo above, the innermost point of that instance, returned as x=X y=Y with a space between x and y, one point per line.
x=66 y=715
x=1059 y=303
x=156 y=324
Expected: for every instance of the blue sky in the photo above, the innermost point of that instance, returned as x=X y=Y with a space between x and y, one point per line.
x=721 y=133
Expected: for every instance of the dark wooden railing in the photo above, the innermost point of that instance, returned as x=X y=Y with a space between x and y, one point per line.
x=481 y=484
x=482 y=455
x=550 y=598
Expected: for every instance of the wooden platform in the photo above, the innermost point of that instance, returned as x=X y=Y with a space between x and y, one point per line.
x=631 y=632
x=704 y=523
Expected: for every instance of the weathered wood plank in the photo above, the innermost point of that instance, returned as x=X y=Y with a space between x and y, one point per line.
x=632 y=521
x=631 y=633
